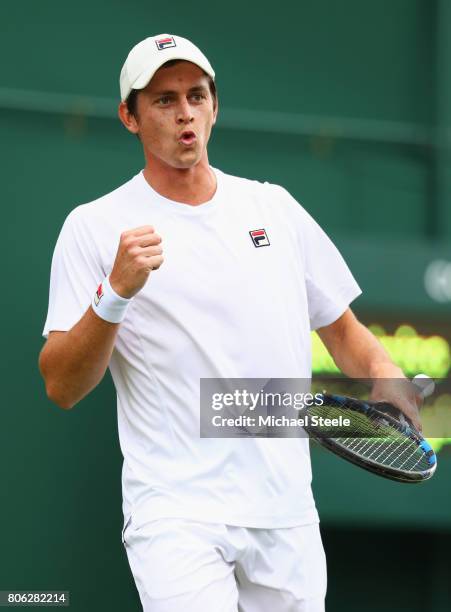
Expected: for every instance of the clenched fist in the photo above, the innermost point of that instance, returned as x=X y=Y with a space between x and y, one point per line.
x=139 y=253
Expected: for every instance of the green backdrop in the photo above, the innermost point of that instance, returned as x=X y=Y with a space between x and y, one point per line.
x=346 y=104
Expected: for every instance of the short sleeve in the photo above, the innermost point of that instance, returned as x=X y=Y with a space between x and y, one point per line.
x=329 y=284
x=75 y=273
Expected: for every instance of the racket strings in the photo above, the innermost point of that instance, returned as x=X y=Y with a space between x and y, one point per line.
x=372 y=437
x=400 y=453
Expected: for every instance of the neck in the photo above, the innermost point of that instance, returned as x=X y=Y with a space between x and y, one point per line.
x=192 y=186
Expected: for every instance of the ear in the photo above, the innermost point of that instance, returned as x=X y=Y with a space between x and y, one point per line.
x=127 y=119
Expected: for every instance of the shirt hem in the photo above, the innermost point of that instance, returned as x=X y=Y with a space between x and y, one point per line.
x=152 y=512
x=335 y=313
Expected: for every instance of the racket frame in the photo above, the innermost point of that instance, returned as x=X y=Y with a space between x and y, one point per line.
x=386 y=413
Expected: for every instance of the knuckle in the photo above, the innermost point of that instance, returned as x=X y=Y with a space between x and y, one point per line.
x=157 y=261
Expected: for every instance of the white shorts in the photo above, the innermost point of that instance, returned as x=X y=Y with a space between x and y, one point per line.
x=187 y=566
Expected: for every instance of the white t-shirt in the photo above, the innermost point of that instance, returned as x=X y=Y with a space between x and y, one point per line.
x=218 y=307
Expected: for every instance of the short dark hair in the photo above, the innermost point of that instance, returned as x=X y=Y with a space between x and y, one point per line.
x=132 y=100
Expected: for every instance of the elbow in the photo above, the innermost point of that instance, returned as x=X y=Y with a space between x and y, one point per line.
x=53 y=390
x=57 y=398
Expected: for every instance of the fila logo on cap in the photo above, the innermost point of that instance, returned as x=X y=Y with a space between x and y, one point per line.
x=259 y=238
x=164 y=43
x=98 y=295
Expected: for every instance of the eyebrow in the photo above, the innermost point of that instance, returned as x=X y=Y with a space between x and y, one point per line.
x=170 y=92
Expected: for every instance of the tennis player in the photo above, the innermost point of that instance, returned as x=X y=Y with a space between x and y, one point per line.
x=209 y=524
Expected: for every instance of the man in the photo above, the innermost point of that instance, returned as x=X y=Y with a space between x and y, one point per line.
x=209 y=524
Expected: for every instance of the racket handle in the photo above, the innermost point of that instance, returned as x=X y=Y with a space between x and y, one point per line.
x=425 y=384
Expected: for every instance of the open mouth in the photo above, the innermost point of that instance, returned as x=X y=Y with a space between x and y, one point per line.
x=187 y=138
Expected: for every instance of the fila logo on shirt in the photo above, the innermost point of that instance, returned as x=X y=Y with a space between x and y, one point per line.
x=99 y=295
x=164 y=43
x=259 y=238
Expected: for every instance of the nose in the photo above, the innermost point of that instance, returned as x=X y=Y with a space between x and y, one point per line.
x=184 y=113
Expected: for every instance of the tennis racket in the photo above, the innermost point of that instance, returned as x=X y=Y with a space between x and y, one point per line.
x=380 y=439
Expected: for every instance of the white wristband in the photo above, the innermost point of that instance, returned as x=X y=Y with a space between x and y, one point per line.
x=107 y=304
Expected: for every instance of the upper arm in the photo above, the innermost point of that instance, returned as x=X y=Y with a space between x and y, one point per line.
x=52 y=338
x=76 y=272
x=53 y=335
x=329 y=284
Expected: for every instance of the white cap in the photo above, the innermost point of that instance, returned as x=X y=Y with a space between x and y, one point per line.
x=150 y=54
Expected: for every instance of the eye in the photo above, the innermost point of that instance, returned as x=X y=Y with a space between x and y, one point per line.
x=164 y=100
x=198 y=97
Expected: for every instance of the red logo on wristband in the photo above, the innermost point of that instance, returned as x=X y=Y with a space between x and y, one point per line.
x=99 y=295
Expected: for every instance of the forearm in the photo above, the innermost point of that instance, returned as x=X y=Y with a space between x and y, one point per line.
x=356 y=351
x=370 y=359
x=72 y=363
x=359 y=354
